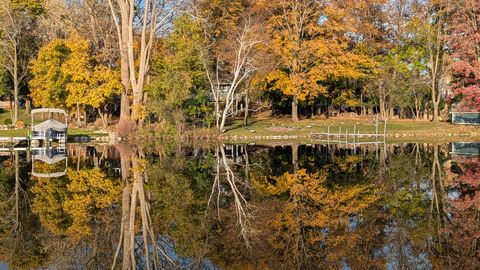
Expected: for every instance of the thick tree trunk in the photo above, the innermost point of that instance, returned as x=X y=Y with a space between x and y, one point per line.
x=295 y=109
x=435 y=111
x=124 y=72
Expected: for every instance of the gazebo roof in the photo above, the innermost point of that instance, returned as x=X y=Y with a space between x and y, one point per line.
x=50 y=124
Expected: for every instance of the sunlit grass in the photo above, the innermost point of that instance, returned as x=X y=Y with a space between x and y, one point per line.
x=284 y=126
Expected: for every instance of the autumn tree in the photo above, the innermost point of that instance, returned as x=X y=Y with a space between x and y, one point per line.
x=316 y=214
x=65 y=76
x=310 y=41
x=150 y=18
x=17 y=42
x=178 y=87
x=431 y=32
x=464 y=28
x=66 y=204
x=230 y=50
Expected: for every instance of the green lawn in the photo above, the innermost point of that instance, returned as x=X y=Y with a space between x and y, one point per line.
x=22 y=115
x=24 y=132
x=71 y=132
x=423 y=130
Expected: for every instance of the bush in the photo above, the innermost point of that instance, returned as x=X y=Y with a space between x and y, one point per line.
x=20 y=124
x=7 y=121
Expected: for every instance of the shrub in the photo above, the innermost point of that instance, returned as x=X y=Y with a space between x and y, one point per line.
x=20 y=124
x=7 y=121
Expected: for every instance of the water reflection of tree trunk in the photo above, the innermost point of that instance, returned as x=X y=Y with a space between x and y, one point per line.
x=382 y=169
x=133 y=195
x=241 y=205
x=295 y=157
x=17 y=189
x=247 y=165
x=438 y=191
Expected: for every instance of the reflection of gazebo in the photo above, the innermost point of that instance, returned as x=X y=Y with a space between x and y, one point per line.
x=49 y=129
x=49 y=156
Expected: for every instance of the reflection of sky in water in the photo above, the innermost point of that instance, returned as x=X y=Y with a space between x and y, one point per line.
x=168 y=246
x=396 y=258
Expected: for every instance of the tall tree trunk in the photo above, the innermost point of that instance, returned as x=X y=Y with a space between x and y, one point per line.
x=79 y=120
x=28 y=106
x=15 y=101
x=382 y=107
x=295 y=109
x=217 y=113
x=124 y=73
x=247 y=103
x=295 y=157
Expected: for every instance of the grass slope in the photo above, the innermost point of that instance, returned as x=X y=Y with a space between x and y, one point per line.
x=395 y=128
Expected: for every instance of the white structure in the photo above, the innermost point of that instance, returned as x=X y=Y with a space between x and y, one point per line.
x=466 y=118
x=49 y=156
x=49 y=129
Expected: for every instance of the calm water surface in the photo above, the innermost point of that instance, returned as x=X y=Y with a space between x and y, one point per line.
x=406 y=206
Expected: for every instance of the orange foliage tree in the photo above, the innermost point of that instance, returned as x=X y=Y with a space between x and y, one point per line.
x=312 y=42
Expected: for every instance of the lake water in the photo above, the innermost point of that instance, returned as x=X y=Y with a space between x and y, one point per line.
x=395 y=206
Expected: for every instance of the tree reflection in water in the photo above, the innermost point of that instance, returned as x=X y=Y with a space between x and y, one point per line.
x=239 y=206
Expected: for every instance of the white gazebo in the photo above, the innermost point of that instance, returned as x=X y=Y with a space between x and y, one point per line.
x=49 y=129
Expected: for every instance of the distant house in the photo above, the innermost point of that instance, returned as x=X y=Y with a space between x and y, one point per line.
x=465 y=118
x=223 y=91
x=461 y=117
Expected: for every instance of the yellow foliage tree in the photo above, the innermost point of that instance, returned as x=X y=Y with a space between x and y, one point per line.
x=315 y=214
x=64 y=76
x=66 y=205
x=311 y=42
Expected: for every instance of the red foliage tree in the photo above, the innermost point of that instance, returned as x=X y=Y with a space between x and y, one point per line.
x=462 y=231
x=464 y=43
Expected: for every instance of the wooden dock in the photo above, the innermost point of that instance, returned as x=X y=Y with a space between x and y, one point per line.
x=10 y=143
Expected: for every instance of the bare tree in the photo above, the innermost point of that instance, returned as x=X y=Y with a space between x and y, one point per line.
x=243 y=209
x=134 y=201
x=15 y=26
x=138 y=20
x=434 y=38
x=233 y=67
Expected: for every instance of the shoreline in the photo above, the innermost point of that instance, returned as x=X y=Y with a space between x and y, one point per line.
x=307 y=130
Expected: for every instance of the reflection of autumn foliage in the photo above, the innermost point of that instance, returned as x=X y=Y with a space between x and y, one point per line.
x=42 y=167
x=316 y=225
x=462 y=232
x=66 y=204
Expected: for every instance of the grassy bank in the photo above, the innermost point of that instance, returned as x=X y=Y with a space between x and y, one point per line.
x=5 y=114
x=397 y=130
x=72 y=132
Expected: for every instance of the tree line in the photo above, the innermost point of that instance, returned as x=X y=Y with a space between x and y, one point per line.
x=174 y=63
